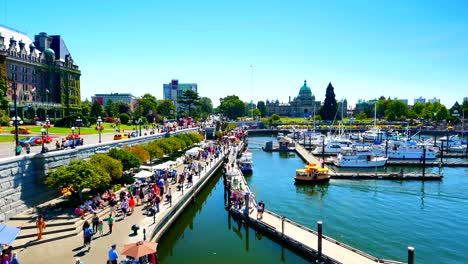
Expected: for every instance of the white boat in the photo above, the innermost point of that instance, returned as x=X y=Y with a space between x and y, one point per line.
x=333 y=146
x=398 y=149
x=358 y=157
x=246 y=166
x=280 y=135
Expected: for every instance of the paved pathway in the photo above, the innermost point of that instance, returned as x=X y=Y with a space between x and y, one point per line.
x=66 y=250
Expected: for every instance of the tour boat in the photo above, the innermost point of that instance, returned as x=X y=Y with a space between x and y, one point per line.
x=358 y=157
x=245 y=165
x=399 y=149
x=312 y=173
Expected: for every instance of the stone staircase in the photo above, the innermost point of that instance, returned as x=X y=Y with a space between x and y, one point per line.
x=60 y=224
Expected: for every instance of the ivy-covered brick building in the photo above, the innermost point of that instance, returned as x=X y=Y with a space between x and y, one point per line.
x=46 y=77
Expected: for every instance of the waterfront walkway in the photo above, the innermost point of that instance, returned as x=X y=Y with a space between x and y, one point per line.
x=298 y=236
x=66 y=250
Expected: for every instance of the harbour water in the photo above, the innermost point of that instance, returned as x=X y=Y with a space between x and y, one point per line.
x=379 y=217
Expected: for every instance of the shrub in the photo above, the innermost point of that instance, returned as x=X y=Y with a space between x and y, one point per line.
x=124 y=118
x=140 y=152
x=112 y=166
x=129 y=160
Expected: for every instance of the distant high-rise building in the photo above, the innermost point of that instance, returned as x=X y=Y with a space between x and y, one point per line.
x=102 y=99
x=465 y=99
x=405 y=101
x=433 y=100
x=174 y=89
x=420 y=100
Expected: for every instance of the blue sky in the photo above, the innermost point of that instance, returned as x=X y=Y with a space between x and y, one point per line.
x=366 y=49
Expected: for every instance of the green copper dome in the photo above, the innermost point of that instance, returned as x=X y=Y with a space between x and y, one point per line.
x=305 y=88
x=49 y=52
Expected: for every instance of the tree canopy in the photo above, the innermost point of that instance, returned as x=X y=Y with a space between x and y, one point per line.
x=189 y=100
x=166 y=109
x=78 y=175
x=232 y=107
x=262 y=107
x=330 y=106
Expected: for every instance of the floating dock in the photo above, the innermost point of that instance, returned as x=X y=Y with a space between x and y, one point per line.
x=299 y=237
x=307 y=156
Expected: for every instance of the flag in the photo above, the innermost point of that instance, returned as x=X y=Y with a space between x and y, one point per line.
x=33 y=90
x=47 y=91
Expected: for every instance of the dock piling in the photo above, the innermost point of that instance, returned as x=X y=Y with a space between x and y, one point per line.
x=319 y=242
x=410 y=255
x=424 y=162
x=282 y=225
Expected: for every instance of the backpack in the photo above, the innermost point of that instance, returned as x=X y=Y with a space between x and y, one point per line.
x=89 y=232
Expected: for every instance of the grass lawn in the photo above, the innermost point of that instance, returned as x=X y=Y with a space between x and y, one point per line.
x=7 y=136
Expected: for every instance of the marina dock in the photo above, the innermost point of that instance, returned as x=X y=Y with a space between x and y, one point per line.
x=310 y=242
x=418 y=163
x=308 y=157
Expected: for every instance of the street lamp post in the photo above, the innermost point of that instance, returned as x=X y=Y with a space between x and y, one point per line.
x=139 y=122
x=78 y=123
x=99 y=126
x=47 y=125
x=15 y=119
x=43 y=134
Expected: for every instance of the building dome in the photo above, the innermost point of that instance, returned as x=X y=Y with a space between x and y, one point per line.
x=305 y=88
x=305 y=91
x=49 y=52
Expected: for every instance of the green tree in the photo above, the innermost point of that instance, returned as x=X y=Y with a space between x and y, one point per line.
x=86 y=107
x=256 y=112
x=110 y=165
x=147 y=107
x=124 y=108
x=4 y=87
x=361 y=116
x=262 y=107
x=188 y=101
x=398 y=108
x=205 y=107
x=111 y=108
x=330 y=106
x=96 y=109
x=418 y=108
x=124 y=118
x=128 y=159
x=275 y=117
x=232 y=107
x=166 y=109
x=78 y=175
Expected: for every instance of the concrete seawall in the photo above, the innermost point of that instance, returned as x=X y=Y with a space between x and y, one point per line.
x=22 y=177
x=178 y=207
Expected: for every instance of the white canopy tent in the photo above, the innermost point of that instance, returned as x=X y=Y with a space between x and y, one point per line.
x=193 y=151
x=143 y=174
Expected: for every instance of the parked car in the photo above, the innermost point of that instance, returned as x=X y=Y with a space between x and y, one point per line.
x=33 y=141
x=22 y=130
x=120 y=136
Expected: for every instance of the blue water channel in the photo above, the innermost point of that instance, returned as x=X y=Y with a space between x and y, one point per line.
x=378 y=217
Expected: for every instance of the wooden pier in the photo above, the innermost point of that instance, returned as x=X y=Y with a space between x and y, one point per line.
x=299 y=237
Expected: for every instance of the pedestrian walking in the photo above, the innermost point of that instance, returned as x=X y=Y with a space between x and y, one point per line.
x=14 y=258
x=112 y=205
x=113 y=255
x=110 y=221
x=88 y=234
x=131 y=204
x=85 y=226
x=124 y=207
x=260 y=210
x=95 y=222
x=28 y=148
x=157 y=200
x=101 y=227
x=41 y=225
x=78 y=261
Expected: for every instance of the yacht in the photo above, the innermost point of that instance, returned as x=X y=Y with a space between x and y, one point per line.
x=358 y=157
x=333 y=146
x=405 y=149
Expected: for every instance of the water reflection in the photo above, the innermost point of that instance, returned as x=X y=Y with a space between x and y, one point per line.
x=316 y=190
